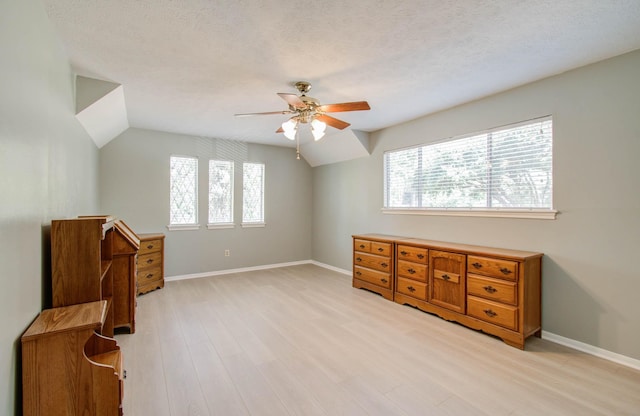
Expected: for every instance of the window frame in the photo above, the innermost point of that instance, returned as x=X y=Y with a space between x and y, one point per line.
x=224 y=224
x=261 y=222
x=500 y=212
x=184 y=226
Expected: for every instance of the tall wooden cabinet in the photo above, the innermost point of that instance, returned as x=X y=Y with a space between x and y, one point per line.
x=94 y=258
x=68 y=368
x=81 y=262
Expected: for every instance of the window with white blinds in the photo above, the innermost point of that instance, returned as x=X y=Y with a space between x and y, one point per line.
x=508 y=168
x=220 y=192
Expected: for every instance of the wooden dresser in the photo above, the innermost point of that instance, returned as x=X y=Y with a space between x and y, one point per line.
x=497 y=291
x=68 y=368
x=150 y=262
x=373 y=264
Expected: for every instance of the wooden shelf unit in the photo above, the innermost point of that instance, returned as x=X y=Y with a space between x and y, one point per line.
x=126 y=244
x=67 y=367
x=81 y=263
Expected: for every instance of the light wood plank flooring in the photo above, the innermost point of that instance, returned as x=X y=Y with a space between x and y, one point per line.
x=301 y=341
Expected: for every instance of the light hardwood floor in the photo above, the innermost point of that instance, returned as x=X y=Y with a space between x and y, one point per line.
x=301 y=341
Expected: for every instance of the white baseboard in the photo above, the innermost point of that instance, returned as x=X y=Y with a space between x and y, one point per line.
x=335 y=269
x=568 y=342
x=230 y=271
x=590 y=349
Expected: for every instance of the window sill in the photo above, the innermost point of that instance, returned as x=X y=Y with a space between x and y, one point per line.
x=221 y=226
x=253 y=225
x=539 y=214
x=183 y=227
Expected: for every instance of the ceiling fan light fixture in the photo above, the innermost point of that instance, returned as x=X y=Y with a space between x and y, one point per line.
x=317 y=129
x=290 y=127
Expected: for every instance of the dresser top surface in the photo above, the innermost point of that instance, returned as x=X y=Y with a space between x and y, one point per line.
x=53 y=321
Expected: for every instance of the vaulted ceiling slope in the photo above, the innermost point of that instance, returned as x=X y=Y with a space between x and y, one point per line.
x=188 y=66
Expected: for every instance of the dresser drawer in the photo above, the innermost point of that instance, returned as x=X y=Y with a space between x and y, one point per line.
x=149 y=275
x=415 y=254
x=362 y=245
x=150 y=246
x=501 y=269
x=149 y=260
x=381 y=249
x=411 y=270
x=493 y=312
x=493 y=289
x=377 y=278
x=412 y=288
x=380 y=263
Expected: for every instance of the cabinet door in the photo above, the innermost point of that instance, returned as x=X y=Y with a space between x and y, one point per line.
x=447 y=277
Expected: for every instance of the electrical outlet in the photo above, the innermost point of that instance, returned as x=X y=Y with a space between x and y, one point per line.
x=227 y=253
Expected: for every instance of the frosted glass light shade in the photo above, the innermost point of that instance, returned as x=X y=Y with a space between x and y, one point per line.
x=317 y=129
x=290 y=126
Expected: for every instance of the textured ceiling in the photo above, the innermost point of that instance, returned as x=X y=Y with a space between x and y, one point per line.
x=188 y=66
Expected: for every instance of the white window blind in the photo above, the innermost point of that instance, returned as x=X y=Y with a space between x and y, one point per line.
x=220 y=192
x=183 y=193
x=505 y=168
x=252 y=193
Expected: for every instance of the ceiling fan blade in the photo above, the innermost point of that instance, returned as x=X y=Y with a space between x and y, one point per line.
x=353 y=106
x=293 y=100
x=280 y=130
x=333 y=122
x=264 y=114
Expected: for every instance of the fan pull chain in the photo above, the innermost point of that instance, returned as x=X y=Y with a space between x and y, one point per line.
x=297 y=146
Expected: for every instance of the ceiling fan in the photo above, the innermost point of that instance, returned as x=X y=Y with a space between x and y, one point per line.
x=309 y=110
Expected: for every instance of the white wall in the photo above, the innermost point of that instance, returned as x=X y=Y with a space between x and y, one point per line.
x=48 y=169
x=134 y=186
x=590 y=281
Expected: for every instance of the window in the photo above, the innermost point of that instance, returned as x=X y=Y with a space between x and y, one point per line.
x=220 y=193
x=183 y=194
x=253 y=194
x=501 y=172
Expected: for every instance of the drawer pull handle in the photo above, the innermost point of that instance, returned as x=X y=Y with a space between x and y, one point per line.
x=490 y=313
x=149 y=261
x=411 y=289
x=477 y=265
x=358 y=259
x=384 y=280
x=404 y=253
x=359 y=273
x=411 y=271
x=149 y=275
x=446 y=277
x=490 y=289
x=420 y=256
x=380 y=249
x=504 y=270
x=150 y=246
x=384 y=264
x=361 y=245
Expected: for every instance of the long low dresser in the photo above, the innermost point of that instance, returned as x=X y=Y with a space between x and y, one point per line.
x=494 y=290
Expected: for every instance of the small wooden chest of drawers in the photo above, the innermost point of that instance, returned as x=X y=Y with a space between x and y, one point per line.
x=373 y=264
x=150 y=263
